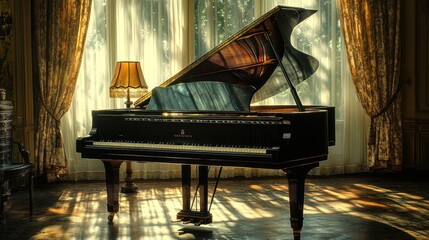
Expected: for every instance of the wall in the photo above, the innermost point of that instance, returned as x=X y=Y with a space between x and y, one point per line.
x=415 y=86
x=16 y=73
x=6 y=55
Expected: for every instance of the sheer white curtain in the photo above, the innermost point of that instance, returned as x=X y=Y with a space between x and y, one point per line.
x=152 y=32
x=320 y=36
x=163 y=34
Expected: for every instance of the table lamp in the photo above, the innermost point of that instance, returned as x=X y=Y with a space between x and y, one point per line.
x=128 y=82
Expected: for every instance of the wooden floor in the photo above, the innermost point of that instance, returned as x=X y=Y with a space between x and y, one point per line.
x=352 y=207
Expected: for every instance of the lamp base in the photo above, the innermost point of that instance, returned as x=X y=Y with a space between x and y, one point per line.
x=128 y=103
x=129 y=186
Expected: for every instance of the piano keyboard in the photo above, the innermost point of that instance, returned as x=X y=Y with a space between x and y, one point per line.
x=182 y=147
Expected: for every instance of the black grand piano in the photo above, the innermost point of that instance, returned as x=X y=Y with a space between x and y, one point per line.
x=204 y=116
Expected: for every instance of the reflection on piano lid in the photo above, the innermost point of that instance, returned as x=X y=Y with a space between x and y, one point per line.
x=248 y=58
x=200 y=96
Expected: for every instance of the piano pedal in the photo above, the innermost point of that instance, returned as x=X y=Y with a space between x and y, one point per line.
x=182 y=221
x=190 y=221
x=194 y=217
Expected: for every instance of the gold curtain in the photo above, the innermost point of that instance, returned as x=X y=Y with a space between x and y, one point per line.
x=60 y=28
x=371 y=31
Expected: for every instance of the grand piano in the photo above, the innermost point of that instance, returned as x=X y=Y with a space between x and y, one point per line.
x=206 y=115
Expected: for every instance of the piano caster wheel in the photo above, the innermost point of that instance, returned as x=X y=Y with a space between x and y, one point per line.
x=111 y=216
x=297 y=235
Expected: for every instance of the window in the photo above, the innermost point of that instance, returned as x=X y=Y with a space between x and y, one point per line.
x=166 y=36
x=215 y=21
x=318 y=36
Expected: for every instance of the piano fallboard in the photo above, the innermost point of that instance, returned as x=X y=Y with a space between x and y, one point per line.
x=264 y=139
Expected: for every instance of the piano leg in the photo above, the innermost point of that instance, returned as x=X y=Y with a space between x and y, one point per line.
x=296 y=178
x=203 y=183
x=186 y=187
x=111 y=168
x=203 y=216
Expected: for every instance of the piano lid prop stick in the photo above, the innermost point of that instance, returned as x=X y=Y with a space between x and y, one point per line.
x=215 y=187
x=214 y=190
x=289 y=82
x=196 y=189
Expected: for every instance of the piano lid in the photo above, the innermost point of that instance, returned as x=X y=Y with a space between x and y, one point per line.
x=247 y=58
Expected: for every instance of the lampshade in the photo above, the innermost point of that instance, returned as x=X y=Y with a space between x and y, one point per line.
x=128 y=81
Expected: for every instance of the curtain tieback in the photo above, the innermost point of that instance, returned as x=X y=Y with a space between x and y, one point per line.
x=58 y=135
x=372 y=132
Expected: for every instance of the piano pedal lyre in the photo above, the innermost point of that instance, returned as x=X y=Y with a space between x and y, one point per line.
x=194 y=217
